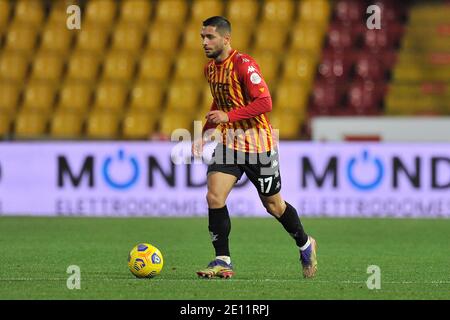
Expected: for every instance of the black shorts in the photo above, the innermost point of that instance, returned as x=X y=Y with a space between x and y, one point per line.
x=263 y=169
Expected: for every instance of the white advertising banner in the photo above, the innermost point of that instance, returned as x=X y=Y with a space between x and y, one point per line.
x=141 y=179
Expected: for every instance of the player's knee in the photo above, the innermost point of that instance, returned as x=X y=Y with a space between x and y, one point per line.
x=215 y=200
x=275 y=208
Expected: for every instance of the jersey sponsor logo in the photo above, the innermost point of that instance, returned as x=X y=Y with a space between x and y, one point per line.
x=255 y=78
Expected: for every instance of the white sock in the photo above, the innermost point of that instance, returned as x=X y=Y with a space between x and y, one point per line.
x=305 y=246
x=227 y=259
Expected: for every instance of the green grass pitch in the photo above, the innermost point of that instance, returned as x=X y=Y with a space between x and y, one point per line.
x=413 y=256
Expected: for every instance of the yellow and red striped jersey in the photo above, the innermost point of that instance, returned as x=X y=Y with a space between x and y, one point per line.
x=236 y=82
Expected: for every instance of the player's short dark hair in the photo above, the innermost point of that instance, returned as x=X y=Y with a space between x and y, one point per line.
x=222 y=25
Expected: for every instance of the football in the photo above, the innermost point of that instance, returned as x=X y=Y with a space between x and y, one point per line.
x=145 y=261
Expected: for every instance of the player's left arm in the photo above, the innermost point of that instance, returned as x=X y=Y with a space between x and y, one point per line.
x=256 y=88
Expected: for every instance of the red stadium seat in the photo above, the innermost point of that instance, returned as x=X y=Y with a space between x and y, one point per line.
x=335 y=65
x=326 y=97
x=378 y=39
x=340 y=36
x=364 y=97
x=368 y=66
x=350 y=11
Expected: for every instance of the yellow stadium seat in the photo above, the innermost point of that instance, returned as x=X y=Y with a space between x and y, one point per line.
x=47 y=65
x=4 y=14
x=147 y=96
x=278 y=11
x=83 y=66
x=307 y=36
x=9 y=96
x=241 y=35
x=408 y=72
x=30 y=124
x=58 y=11
x=300 y=66
x=119 y=65
x=66 y=125
x=29 y=11
x=128 y=36
x=271 y=36
x=56 y=38
x=268 y=62
x=173 y=12
x=314 y=10
x=5 y=124
x=171 y=122
x=183 y=96
x=137 y=11
x=13 y=65
x=110 y=95
x=287 y=124
x=191 y=37
x=189 y=65
x=101 y=11
x=202 y=9
x=242 y=11
x=92 y=37
x=155 y=65
x=138 y=124
x=163 y=36
x=291 y=96
x=75 y=96
x=102 y=125
x=21 y=36
x=39 y=96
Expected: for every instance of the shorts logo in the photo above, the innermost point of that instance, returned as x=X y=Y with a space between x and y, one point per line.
x=255 y=78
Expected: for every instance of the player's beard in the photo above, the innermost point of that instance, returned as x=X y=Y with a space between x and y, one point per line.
x=214 y=54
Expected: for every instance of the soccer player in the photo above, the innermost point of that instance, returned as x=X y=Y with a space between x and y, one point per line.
x=241 y=100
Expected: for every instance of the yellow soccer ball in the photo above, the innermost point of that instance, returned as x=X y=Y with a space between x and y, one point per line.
x=145 y=261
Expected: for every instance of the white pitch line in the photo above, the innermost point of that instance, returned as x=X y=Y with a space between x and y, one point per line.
x=233 y=280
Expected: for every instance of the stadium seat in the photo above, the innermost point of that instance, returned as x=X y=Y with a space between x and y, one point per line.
x=241 y=36
x=350 y=11
x=170 y=122
x=183 y=96
x=56 y=38
x=29 y=11
x=326 y=97
x=48 y=66
x=4 y=14
x=30 y=124
x=92 y=37
x=314 y=10
x=102 y=124
x=268 y=62
x=110 y=96
x=118 y=65
x=136 y=11
x=275 y=32
x=171 y=12
x=39 y=96
x=189 y=65
x=300 y=66
x=21 y=36
x=340 y=37
x=307 y=36
x=163 y=36
x=286 y=124
x=335 y=65
x=364 y=96
x=191 y=37
x=138 y=124
x=66 y=125
x=83 y=66
x=128 y=36
x=5 y=124
x=75 y=96
x=101 y=12
x=154 y=65
x=369 y=67
x=278 y=12
x=291 y=96
x=202 y=9
x=13 y=65
x=9 y=96
x=147 y=96
x=377 y=40
x=58 y=11
x=242 y=11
